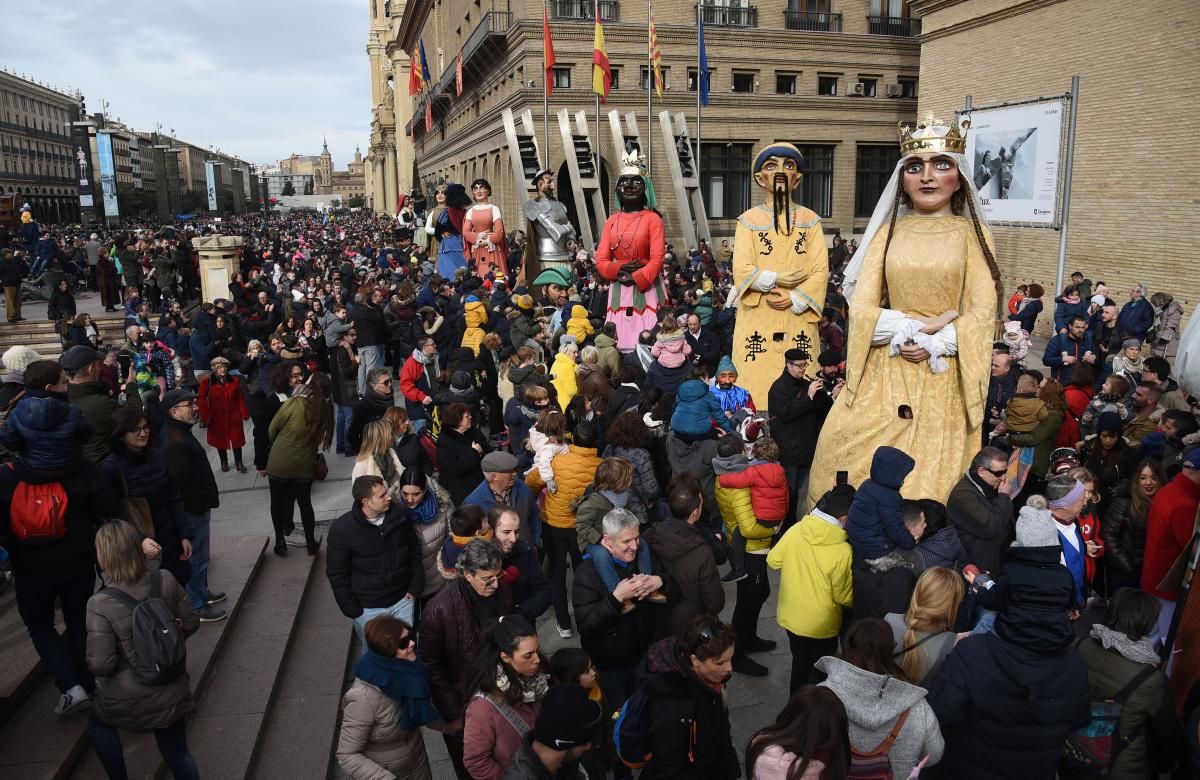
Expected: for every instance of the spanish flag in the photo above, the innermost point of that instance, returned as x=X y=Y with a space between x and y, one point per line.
x=414 y=74
x=656 y=58
x=601 y=72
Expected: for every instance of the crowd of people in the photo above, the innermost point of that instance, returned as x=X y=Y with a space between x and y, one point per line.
x=498 y=438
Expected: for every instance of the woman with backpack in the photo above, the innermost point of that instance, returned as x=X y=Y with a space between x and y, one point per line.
x=1123 y=667
x=892 y=727
x=126 y=696
x=506 y=682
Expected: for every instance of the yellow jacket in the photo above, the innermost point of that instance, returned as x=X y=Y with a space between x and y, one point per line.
x=574 y=470
x=564 y=381
x=578 y=325
x=475 y=314
x=815 y=581
x=736 y=509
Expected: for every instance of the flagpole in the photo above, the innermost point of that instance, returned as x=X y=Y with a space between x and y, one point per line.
x=649 y=92
x=700 y=76
x=596 y=144
x=546 y=76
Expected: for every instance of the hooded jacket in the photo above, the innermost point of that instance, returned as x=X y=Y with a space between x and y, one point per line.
x=564 y=378
x=736 y=507
x=475 y=315
x=45 y=431
x=696 y=409
x=578 y=325
x=874 y=702
x=815 y=581
x=690 y=730
x=688 y=560
x=768 y=490
x=610 y=356
x=671 y=350
x=875 y=525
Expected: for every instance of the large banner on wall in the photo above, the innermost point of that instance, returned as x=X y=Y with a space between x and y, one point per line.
x=1015 y=153
x=81 y=150
x=108 y=175
x=211 y=182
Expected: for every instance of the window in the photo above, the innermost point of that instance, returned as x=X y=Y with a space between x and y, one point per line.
x=742 y=82
x=816 y=188
x=908 y=88
x=691 y=78
x=873 y=167
x=616 y=78
x=725 y=178
x=870 y=85
x=785 y=83
x=644 y=77
x=562 y=78
x=827 y=85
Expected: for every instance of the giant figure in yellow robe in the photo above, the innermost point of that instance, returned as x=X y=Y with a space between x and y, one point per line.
x=923 y=293
x=780 y=274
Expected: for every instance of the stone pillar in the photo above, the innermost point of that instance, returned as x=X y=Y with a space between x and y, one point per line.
x=218 y=262
x=239 y=192
x=402 y=107
x=389 y=176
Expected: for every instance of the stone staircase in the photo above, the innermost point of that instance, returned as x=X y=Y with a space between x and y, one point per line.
x=267 y=681
x=38 y=333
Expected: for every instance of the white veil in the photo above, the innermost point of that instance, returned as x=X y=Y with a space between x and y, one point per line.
x=883 y=215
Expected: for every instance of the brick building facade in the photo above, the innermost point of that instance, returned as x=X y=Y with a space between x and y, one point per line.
x=1134 y=115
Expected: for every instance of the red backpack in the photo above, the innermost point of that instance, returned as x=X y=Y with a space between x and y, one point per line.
x=38 y=513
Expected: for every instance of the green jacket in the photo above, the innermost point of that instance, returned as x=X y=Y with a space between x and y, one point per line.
x=1041 y=439
x=97 y=407
x=610 y=357
x=293 y=452
x=589 y=517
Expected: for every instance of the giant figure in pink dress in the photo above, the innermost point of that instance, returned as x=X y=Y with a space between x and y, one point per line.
x=483 y=232
x=630 y=255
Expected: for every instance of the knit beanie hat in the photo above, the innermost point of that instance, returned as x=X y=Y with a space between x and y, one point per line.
x=568 y=718
x=1108 y=422
x=1035 y=525
x=17 y=359
x=461 y=380
x=726 y=364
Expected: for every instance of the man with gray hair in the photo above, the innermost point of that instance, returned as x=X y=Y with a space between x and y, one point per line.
x=85 y=390
x=614 y=636
x=981 y=511
x=1137 y=316
x=375 y=401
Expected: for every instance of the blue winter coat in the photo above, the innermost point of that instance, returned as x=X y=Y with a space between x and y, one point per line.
x=1065 y=312
x=1061 y=343
x=1028 y=315
x=46 y=432
x=1135 y=319
x=695 y=410
x=875 y=526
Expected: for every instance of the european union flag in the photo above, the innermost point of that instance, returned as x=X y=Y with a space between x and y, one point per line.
x=703 y=74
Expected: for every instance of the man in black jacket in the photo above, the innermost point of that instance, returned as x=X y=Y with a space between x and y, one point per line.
x=616 y=638
x=520 y=567
x=981 y=511
x=12 y=272
x=375 y=401
x=198 y=487
x=795 y=403
x=374 y=557
x=372 y=331
x=706 y=347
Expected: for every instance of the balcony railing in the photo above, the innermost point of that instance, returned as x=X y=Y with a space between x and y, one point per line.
x=813 y=22
x=584 y=10
x=494 y=24
x=899 y=26
x=730 y=15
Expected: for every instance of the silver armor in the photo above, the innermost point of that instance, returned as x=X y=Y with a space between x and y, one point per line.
x=549 y=220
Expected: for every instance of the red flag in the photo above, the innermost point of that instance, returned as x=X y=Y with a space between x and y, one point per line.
x=458 y=79
x=656 y=58
x=414 y=75
x=601 y=71
x=428 y=115
x=547 y=53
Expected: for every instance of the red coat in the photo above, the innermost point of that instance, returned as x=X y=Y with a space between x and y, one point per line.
x=1089 y=529
x=1077 y=402
x=1169 y=523
x=223 y=410
x=768 y=490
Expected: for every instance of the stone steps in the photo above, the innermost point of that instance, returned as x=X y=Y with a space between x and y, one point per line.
x=37 y=745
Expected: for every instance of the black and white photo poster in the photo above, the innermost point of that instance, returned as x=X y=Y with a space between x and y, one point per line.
x=1014 y=153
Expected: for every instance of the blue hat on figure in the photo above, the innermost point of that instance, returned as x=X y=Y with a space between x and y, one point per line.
x=726 y=364
x=786 y=151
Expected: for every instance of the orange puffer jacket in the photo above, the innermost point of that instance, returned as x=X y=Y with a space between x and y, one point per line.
x=574 y=470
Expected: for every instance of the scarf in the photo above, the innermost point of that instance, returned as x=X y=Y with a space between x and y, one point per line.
x=426 y=511
x=1140 y=651
x=482 y=608
x=533 y=689
x=404 y=682
x=618 y=500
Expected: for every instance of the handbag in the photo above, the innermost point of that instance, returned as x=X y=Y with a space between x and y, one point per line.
x=322 y=469
x=135 y=510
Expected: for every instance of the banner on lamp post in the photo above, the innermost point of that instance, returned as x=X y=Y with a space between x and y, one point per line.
x=84 y=171
x=210 y=180
x=108 y=176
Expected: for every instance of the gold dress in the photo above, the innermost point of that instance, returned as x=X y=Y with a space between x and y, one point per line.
x=761 y=335
x=934 y=264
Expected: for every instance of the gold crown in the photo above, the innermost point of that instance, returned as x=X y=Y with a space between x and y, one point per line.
x=933 y=135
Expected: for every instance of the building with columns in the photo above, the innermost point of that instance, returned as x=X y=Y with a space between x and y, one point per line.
x=389 y=168
x=35 y=147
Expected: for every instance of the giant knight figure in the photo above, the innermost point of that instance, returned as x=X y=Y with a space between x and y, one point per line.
x=549 y=229
x=780 y=273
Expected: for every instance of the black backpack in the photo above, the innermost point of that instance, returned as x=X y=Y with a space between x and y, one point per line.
x=159 y=653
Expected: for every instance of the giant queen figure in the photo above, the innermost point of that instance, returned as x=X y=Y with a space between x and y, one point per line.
x=780 y=274
x=923 y=288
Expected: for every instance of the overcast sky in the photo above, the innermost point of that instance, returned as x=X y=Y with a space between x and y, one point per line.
x=258 y=78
